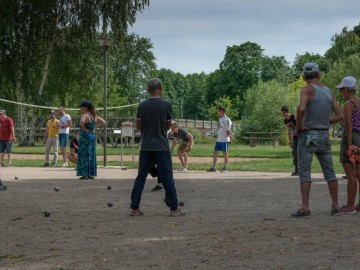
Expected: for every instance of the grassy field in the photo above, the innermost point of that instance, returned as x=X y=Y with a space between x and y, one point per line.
x=272 y=159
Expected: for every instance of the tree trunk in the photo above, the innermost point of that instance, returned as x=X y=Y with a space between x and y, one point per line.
x=21 y=112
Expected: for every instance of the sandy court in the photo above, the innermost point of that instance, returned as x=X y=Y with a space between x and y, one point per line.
x=234 y=220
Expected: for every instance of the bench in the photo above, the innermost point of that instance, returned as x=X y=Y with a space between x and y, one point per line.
x=253 y=137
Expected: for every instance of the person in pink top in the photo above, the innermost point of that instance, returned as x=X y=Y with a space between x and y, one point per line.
x=350 y=142
x=7 y=136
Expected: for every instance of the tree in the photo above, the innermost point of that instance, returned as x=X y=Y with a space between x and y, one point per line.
x=300 y=60
x=30 y=30
x=195 y=106
x=231 y=110
x=262 y=106
x=345 y=44
x=242 y=68
x=133 y=63
x=275 y=68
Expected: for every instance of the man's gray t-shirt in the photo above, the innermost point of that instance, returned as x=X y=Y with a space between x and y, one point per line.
x=154 y=114
x=181 y=134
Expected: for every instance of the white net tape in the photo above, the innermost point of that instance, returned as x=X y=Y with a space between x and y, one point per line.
x=69 y=109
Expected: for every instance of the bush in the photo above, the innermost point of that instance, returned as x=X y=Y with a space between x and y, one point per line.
x=199 y=137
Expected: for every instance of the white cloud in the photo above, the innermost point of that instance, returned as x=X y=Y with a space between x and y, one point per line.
x=192 y=35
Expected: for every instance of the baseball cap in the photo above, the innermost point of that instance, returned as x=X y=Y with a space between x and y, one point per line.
x=85 y=103
x=349 y=82
x=2 y=111
x=311 y=67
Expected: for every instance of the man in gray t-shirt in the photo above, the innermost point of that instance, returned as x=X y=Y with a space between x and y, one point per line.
x=154 y=120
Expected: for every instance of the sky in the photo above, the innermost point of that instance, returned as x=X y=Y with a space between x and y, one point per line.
x=191 y=36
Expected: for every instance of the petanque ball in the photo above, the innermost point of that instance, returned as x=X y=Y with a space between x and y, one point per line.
x=47 y=214
x=56 y=189
x=181 y=203
x=108 y=187
x=16 y=178
x=110 y=204
x=125 y=168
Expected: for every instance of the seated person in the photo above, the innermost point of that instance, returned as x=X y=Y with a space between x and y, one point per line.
x=74 y=146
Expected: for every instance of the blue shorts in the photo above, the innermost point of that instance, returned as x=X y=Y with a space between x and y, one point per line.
x=5 y=146
x=63 y=138
x=221 y=146
x=315 y=142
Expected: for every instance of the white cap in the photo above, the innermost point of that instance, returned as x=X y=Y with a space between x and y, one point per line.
x=349 y=82
x=311 y=67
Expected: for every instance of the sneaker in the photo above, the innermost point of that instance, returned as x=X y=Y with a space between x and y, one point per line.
x=212 y=169
x=296 y=173
x=54 y=165
x=136 y=213
x=46 y=164
x=91 y=177
x=65 y=165
x=300 y=213
x=348 y=210
x=158 y=188
x=83 y=178
x=182 y=169
x=225 y=169
x=335 y=212
x=357 y=207
x=2 y=187
x=177 y=213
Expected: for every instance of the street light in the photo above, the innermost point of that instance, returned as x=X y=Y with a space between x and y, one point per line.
x=105 y=44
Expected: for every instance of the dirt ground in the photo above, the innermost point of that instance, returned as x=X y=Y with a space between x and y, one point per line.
x=234 y=220
x=128 y=158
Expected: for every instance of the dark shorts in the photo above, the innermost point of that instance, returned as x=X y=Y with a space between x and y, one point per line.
x=222 y=146
x=5 y=146
x=63 y=138
x=183 y=147
x=344 y=158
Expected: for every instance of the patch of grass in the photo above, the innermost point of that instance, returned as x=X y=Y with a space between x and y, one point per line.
x=275 y=159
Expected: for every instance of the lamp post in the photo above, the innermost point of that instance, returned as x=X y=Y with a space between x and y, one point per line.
x=105 y=44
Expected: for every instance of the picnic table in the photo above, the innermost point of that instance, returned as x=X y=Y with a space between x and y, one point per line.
x=262 y=135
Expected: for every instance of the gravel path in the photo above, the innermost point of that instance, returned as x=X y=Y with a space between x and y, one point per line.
x=234 y=220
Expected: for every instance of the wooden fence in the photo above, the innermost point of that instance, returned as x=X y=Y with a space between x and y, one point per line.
x=208 y=128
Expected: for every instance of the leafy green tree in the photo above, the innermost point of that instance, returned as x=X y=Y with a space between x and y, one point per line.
x=345 y=44
x=215 y=86
x=242 y=68
x=195 y=106
x=275 y=68
x=262 y=106
x=132 y=63
x=300 y=60
x=30 y=31
x=231 y=110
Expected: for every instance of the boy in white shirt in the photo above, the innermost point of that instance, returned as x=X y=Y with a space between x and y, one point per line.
x=222 y=142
